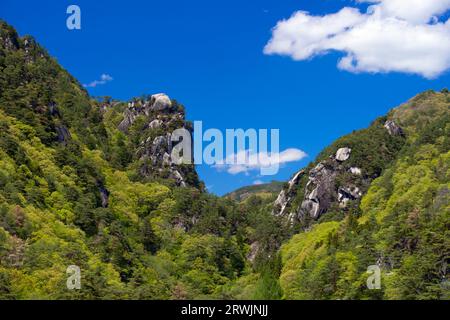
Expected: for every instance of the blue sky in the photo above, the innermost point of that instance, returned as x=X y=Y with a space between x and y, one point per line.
x=209 y=56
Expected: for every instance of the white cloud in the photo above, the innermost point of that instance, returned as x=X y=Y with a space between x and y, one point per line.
x=246 y=161
x=258 y=182
x=104 y=78
x=393 y=36
x=415 y=11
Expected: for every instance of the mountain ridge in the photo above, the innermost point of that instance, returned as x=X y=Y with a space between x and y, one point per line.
x=91 y=183
x=264 y=189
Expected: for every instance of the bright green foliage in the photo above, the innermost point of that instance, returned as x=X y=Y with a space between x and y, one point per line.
x=403 y=226
x=71 y=194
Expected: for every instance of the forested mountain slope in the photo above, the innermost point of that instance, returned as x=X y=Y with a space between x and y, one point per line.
x=266 y=190
x=91 y=183
x=397 y=220
x=400 y=224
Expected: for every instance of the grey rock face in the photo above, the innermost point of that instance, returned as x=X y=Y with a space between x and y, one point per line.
x=311 y=207
x=280 y=203
x=355 y=171
x=9 y=42
x=159 y=144
x=167 y=160
x=160 y=102
x=63 y=134
x=159 y=153
x=319 y=190
x=128 y=118
x=157 y=103
x=343 y=154
x=179 y=178
x=155 y=152
x=345 y=194
x=333 y=183
x=104 y=195
x=286 y=195
x=254 y=248
x=155 y=124
x=53 y=110
x=29 y=44
x=393 y=128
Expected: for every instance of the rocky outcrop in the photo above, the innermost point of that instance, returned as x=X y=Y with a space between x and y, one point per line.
x=63 y=134
x=154 y=152
x=155 y=124
x=128 y=119
x=342 y=175
x=104 y=195
x=356 y=171
x=31 y=48
x=287 y=195
x=253 y=252
x=157 y=103
x=158 y=152
x=8 y=37
x=343 y=154
x=393 y=128
x=160 y=102
x=320 y=191
x=345 y=194
x=176 y=175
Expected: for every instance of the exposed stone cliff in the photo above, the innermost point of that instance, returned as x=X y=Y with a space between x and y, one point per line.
x=333 y=182
x=155 y=118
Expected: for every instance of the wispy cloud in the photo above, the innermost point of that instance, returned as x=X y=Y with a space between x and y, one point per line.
x=258 y=182
x=104 y=78
x=246 y=160
x=392 y=36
